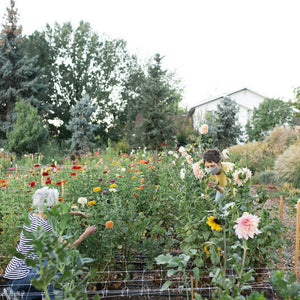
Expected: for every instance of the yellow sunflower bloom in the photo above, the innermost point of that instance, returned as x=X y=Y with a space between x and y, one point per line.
x=213 y=223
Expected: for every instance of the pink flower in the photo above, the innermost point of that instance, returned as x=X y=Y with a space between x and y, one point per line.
x=204 y=129
x=246 y=226
x=198 y=172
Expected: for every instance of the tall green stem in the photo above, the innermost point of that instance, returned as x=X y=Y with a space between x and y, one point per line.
x=244 y=257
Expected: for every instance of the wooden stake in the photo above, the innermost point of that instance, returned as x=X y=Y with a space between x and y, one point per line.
x=281 y=208
x=281 y=219
x=192 y=287
x=297 y=238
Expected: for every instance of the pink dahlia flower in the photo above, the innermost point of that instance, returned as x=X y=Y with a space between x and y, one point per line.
x=246 y=226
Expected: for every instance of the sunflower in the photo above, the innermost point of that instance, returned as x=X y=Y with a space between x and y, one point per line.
x=214 y=223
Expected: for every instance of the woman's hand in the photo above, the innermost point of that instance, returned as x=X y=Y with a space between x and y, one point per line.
x=90 y=230
x=212 y=183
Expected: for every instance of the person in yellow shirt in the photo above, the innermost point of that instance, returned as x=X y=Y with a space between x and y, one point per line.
x=213 y=165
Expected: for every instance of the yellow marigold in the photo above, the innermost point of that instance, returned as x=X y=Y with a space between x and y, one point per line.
x=97 y=189
x=93 y=202
x=113 y=185
x=214 y=223
x=206 y=249
x=133 y=177
x=109 y=224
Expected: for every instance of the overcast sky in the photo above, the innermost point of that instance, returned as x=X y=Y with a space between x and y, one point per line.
x=214 y=46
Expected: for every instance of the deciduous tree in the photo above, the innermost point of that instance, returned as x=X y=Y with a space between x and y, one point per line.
x=270 y=113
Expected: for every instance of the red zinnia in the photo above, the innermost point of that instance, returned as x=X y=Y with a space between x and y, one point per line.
x=73 y=174
x=45 y=174
x=36 y=165
x=32 y=183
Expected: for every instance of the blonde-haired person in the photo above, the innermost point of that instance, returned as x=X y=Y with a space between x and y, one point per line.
x=18 y=273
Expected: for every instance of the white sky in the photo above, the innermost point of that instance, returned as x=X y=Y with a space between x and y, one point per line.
x=214 y=46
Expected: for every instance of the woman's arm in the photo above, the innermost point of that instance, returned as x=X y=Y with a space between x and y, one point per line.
x=78 y=213
x=89 y=230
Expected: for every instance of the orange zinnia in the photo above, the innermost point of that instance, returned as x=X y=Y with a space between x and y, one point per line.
x=109 y=224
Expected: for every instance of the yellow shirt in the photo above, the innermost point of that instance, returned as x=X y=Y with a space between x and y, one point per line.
x=221 y=179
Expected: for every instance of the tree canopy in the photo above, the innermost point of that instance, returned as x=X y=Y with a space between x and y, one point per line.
x=269 y=114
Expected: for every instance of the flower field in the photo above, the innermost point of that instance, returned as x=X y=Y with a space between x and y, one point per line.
x=156 y=209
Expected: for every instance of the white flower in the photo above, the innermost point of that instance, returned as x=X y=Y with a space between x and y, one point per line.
x=241 y=176
x=189 y=159
x=225 y=153
x=198 y=172
x=112 y=190
x=170 y=152
x=123 y=170
x=204 y=129
x=82 y=201
x=175 y=155
x=183 y=151
x=182 y=174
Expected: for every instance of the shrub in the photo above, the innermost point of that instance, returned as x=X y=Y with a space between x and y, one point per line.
x=268 y=177
x=287 y=165
x=256 y=156
x=281 y=138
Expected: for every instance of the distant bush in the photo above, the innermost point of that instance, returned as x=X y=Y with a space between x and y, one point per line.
x=287 y=165
x=281 y=138
x=260 y=156
x=257 y=156
x=268 y=177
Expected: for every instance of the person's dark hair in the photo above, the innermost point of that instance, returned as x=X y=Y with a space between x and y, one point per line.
x=212 y=155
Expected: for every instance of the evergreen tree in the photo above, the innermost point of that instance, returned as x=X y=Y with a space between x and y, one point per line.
x=269 y=114
x=223 y=128
x=229 y=131
x=29 y=133
x=19 y=77
x=81 y=126
x=157 y=109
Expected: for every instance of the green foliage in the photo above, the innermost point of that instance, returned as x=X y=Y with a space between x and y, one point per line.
x=286 y=286
x=269 y=114
x=81 y=126
x=19 y=75
x=287 y=165
x=29 y=133
x=157 y=204
x=158 y=97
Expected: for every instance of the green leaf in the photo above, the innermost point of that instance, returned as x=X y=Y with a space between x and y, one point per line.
x=196 y=272
x=166 y=285
x=171 y=272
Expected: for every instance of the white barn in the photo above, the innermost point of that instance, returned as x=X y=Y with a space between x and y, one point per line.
x=246 y=100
